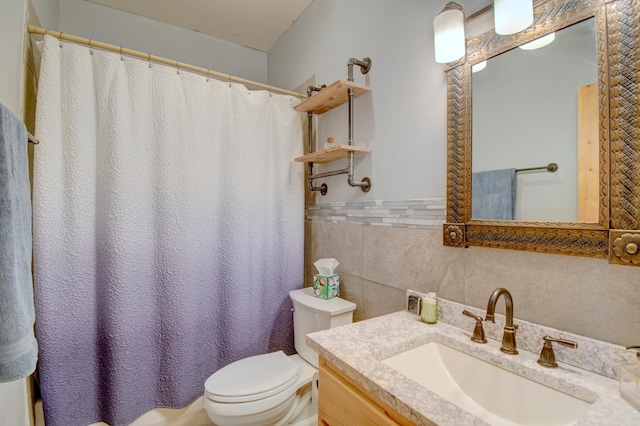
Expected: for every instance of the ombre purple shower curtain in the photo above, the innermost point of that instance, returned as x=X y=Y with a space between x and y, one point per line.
x=168 y=231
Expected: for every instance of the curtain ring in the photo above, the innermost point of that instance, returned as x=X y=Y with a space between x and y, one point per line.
x=270 y=91
x=90 y=46
x=60 y=40
x=121 y=58
x=229 y=77
x=177 y=68
x=149 y=59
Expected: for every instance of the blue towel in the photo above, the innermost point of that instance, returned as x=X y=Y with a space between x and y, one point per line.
x=18 y=346
x=493 y=194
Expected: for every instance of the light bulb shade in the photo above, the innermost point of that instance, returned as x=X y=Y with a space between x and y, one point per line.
x=448 y=28
x=478 y=67
x=539 y=42
x=512 y=16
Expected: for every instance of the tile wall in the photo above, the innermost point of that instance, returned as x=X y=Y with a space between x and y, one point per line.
x=384 y=249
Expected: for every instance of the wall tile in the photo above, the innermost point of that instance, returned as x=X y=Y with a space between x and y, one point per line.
x=423 y=213
x=341 y=241
x=379 y=299
x=351 y=290
x=412 y=259
x=580 y=295
x=584 y=296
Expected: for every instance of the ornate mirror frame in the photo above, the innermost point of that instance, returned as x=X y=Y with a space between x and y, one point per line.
x=616 y=235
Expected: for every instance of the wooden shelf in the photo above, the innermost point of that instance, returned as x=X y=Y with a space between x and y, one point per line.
x=331 y=154
x=331 y=96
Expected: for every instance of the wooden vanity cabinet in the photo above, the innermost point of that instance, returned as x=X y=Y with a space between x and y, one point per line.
x=343 y=402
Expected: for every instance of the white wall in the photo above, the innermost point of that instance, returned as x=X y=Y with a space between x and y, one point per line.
x=12 y=24
x=94 y=21
x=48 y=12
x=403 y=118
x=13 y=395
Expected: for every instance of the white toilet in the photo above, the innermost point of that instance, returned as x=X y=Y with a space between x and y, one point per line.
x=275 y=389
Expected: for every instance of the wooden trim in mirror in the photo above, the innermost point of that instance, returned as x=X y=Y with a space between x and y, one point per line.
x=618 y=51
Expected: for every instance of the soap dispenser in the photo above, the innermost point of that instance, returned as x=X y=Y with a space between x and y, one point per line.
x=630 y=381
x=429 y=305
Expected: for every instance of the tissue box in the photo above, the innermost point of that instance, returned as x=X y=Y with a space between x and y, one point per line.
x=326 y=286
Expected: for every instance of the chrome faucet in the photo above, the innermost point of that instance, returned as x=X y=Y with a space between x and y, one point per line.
x=509 y=336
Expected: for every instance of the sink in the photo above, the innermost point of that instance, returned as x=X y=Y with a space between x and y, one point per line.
x=490 y=393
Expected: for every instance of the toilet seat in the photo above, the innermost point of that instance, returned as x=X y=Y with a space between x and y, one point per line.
x=274 y=389
x=252 y=379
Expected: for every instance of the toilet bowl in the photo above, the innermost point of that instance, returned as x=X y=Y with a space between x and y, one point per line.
x=275 y=389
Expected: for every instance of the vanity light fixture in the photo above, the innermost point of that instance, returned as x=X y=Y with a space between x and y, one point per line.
x=478 y=67
x=512 y=16
x=539 y=42
x=448 y=28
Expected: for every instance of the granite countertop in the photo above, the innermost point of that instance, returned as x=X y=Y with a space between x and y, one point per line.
x=358 y=348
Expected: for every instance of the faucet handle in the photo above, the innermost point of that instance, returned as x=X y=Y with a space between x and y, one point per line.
x=478 y=331
x=547 y=356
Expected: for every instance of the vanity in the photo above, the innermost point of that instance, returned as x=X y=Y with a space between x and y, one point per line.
x=359 y=383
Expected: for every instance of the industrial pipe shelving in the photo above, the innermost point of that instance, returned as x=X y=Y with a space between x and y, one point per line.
x=325 y=99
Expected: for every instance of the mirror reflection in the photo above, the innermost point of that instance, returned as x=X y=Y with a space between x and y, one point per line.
x=531 y=109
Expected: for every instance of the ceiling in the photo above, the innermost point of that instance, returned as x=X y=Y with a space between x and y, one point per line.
x=253 y=23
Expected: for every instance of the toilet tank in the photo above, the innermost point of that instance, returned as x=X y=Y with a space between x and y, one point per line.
x=311 y=314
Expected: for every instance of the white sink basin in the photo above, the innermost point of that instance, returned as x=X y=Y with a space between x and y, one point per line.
x=491 y=393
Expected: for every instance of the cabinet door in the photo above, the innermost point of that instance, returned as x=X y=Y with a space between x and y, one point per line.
x=341 y=403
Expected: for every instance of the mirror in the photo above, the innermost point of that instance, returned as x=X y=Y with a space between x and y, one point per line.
x=617 y=30
x=532 y=108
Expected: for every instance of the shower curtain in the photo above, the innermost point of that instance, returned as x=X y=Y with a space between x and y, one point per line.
x=168 y=231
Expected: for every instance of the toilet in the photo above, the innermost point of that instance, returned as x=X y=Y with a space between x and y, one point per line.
x=275 y=389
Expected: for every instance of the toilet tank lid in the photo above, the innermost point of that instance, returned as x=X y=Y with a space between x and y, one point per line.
x=330 y=307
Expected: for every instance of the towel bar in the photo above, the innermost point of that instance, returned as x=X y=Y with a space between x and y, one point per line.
x=551 y=168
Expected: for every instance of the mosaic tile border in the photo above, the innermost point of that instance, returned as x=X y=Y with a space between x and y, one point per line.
x=420 y=214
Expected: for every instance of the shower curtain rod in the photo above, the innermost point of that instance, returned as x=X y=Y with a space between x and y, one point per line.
x=149 y=57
